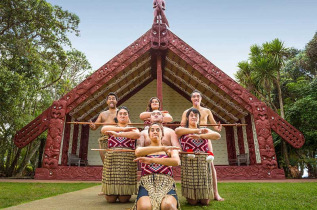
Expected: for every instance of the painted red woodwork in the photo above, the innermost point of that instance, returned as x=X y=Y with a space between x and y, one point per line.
x=130 y=54
x=159 y=74
x=83 y=150
x=240 y=139
x=159 y=37
x=94 y=82
x=66 y=140
x=54 y=135
x=32 y=130
x=159 y=14
x=250 y=140
x=229 y=86
x=230 y=144
x=263 y=130
x=75 y=139
x=285 y=130
x=89 y=86
x=69 y=173
x=254 y=172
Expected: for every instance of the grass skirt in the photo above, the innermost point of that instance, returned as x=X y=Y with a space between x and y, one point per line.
x=196 y=177
x=119 y=175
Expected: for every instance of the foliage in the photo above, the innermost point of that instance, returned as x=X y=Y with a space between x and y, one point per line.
x=38 y=65
x=285 y=77
x=12 y=194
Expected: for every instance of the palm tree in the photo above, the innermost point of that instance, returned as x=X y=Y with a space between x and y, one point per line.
x=267 y=61
x=276 y=51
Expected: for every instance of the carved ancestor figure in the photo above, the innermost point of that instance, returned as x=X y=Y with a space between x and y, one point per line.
x=54 y=135
x=159 y=15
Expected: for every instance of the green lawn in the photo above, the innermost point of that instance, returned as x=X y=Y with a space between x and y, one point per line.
x=12 y=194
x=237 y=195
x=262 y=196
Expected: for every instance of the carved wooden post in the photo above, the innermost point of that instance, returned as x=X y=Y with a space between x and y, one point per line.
x=83 y=150
x=159 y=73
x=250 y=140
x=54 y=135
x=240 y=139
x=230 y=144
x=263 y=130
x=66 y=140
x=75 y=139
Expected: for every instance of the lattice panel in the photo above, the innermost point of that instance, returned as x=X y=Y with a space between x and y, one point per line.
x=220 y=149
x=93 y=156
x=286 y=130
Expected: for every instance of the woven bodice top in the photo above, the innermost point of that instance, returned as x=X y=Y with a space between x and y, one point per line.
x=197 y=145
x=121 y=142
x=155 y=168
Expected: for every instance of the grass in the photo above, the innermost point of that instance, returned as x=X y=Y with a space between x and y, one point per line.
x=12 y=194
x=262 y=196
x=237 y=195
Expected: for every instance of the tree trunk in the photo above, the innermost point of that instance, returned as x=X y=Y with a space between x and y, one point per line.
x=283 y=145
x=8 y=161
x=27 y=159
x=14 y=162
x=41 y=150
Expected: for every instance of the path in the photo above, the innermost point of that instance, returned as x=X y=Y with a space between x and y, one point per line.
x=81 y=199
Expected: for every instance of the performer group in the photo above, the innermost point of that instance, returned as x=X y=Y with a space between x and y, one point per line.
x=157 y=149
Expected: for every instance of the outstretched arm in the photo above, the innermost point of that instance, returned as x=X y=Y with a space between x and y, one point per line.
x=127 y=132
x=213 y=121
x=167 y=117
x=172 y=161
x=180 y=131
x=206 y=134
x=107 y=128
x=145 y=115
x=143 y=151
x=93 y=126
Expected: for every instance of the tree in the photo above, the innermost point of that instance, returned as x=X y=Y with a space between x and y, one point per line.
x=311 y=52
x=303 y=115
x=36 y=60
x=266 y=62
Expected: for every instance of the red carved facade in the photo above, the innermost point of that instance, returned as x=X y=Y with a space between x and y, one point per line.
x=240 y=139
x=83 y=151
x=95 y=173
x=158 y=39
x=66 y=141
x=230 y=144
x=250 y=140
x=263 y=130
x=54 y=135
x=75 y=139
x=27 y=134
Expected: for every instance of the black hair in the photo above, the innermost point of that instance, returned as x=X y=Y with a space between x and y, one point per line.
x=160 y=125
x=195 y=91
x=195 y=111
x=112 y=94
x=121 y=107
x=149 y=108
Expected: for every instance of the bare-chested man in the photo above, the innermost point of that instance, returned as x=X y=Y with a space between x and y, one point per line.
x=206 y=115
x=169 y=138
x=106 y=117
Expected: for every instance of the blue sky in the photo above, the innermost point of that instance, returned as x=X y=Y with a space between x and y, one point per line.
x=222 y=30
